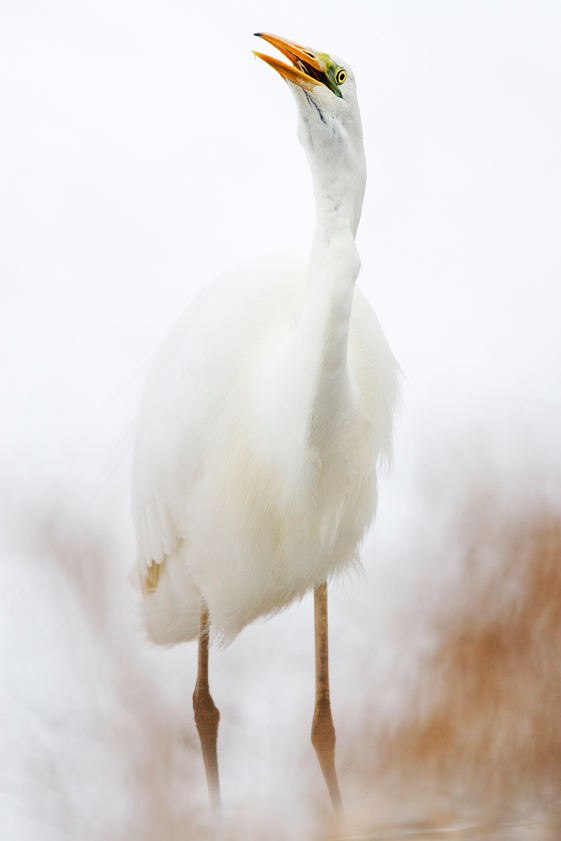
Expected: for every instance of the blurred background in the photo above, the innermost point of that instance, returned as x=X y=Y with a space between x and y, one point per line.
x=143 y=151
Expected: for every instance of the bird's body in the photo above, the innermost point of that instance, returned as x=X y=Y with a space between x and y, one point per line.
x=255 y=478
x=264 y=420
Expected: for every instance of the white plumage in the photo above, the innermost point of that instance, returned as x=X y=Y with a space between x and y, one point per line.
x=266 y=412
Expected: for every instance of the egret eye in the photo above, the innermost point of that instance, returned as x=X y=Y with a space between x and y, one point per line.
x=341 y=76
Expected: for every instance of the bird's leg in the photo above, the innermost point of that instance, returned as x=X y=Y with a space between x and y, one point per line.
x=323 y=731
x=206 y=714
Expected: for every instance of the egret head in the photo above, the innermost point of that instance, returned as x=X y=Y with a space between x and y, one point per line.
x=329 y=125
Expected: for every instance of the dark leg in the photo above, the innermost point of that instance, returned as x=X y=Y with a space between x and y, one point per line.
x=323 y=731
x=206 y=715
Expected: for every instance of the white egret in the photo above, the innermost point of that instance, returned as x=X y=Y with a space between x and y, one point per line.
x=264 y=419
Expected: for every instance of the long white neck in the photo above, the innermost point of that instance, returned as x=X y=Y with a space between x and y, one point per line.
x=306 y=394
x=322 y=336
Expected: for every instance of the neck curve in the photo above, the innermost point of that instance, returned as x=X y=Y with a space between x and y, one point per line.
x=335 y=150
x=313 y=389
x=321 y=338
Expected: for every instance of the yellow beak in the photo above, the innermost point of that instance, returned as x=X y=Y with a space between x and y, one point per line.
x=306 y=70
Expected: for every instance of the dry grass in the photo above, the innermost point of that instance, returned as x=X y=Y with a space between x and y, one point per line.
x=482 y=737
x=125 y=718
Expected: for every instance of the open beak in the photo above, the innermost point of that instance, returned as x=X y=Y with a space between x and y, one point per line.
x=306 y=70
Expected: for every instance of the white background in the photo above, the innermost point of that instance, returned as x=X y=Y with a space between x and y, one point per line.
x=144 y=150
